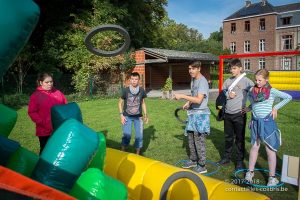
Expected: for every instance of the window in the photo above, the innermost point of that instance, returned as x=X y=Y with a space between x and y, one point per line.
x=286 y=63
x=247 y=26
x=247 y=64
x=262 y=63
x=262 y=45
x=286 y=42
x=286 y=20
x=262 y=24
x=233 y=47
x=247 y=46
x=233 y=28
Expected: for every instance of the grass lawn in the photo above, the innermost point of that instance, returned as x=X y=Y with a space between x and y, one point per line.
x=164 y=139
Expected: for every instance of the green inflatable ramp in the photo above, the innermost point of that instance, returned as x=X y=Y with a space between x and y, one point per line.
x=61 y=113
x=8 y=118
x=18 y=19
x=99 y=158
x=66 y=155
x=23 y=161
x=94 y=184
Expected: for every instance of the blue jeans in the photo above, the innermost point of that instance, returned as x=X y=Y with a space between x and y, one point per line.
x=138 y=126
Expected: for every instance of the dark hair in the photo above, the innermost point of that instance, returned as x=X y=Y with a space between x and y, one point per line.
x=42 y=77
x=235 y=62
x=195 y=64
x=135 y=74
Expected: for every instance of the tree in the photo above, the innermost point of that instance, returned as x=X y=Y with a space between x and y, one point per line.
x=64 y=25
x=174 y=36
x=143 y=19
x=217 y=35
x=21 y=67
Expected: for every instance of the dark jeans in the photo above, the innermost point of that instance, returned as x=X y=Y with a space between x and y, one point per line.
x=43 y=141
x=234 y=131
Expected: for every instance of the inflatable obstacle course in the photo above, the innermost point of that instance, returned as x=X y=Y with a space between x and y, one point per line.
x=64 y=165
x=145 y=179
x=72 y=141
x=287 y=81
x=72 y=162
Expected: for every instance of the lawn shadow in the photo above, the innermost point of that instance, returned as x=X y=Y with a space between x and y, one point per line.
x=148 y=135
x=217 y=138
x=184 y=139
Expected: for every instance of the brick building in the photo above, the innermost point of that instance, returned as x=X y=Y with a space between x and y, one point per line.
x=262 y=27
x=156 y=65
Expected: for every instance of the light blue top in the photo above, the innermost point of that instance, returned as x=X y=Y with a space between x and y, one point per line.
x=264 y=108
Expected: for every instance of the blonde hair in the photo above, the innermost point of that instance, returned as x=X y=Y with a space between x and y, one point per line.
x=263 y=72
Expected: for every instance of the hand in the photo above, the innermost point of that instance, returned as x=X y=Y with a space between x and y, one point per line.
x=245 y=110
x=123 y=120
x=274 y=113
x=146 y=119
x=232 y=94
x=178 y=96
x=186 y=106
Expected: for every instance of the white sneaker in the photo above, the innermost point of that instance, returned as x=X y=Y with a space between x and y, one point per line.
x=249 y=176
x=272 y=181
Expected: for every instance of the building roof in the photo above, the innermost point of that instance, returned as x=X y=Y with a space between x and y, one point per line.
x=166 y=54
x=260 y=9
x=288 y=7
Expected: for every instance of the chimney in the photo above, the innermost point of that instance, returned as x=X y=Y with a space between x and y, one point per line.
x=263 y=2
x=248 y=3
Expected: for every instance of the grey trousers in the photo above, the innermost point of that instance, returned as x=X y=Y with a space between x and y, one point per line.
x=197 y=147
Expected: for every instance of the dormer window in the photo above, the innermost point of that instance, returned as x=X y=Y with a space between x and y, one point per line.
x=286 y=20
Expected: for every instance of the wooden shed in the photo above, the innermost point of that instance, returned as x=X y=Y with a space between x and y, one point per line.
x=156 y=65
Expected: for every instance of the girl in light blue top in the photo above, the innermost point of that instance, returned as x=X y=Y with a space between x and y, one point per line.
x=263 y=127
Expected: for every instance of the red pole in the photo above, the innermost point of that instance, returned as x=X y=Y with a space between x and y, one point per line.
x=221 y=62
x=222 y=57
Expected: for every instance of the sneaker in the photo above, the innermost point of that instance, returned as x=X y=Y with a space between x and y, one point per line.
x=249 y=176
x=189 y=164
x=199 y=169
x=272 y=181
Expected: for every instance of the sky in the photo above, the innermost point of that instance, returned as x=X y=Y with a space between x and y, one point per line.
x=207 y=15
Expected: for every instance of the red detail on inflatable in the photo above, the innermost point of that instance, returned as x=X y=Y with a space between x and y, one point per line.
x=17 y=183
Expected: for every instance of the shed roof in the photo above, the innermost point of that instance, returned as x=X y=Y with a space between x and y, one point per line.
x=166 y=55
